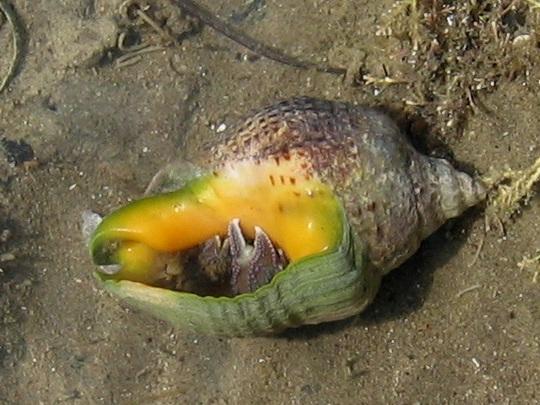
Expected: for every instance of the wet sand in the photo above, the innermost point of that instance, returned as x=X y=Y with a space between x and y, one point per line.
x=447 y=327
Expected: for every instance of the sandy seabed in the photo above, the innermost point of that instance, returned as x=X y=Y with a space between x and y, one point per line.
x=447 y=327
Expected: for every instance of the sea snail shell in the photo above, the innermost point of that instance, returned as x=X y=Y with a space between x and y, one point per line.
x=336 y=189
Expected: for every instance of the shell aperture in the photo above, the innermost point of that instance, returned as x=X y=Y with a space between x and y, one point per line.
x=250 y=199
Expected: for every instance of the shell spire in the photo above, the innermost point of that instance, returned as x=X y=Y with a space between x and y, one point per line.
x=447 y=193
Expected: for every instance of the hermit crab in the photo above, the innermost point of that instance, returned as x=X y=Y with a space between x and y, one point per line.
x=292 y=220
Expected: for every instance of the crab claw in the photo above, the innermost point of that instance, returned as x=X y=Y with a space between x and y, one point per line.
x=252 y=266
x=215 y=259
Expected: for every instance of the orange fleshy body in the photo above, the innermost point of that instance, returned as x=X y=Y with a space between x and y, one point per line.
x=296 y=210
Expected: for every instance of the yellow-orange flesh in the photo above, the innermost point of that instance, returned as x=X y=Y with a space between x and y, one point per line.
x=299 y=213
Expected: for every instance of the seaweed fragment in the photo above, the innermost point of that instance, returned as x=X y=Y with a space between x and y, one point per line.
x=449 y=54
x=259 y=48
x=17 y=37
x=512 y=189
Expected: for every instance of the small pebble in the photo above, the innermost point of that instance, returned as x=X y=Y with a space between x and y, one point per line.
x=5 y=235
x=7 y=257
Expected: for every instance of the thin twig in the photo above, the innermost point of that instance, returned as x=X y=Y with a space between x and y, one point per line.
x=164 y=34
x=250 y=43
x=468 y=289
x=7 y=10
x=120 y=44
x=508 y=8
x=533 y=4
x=382 y=81
x=131 y=60
x=478 y=250
x=126 y=60
x=531 y=264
